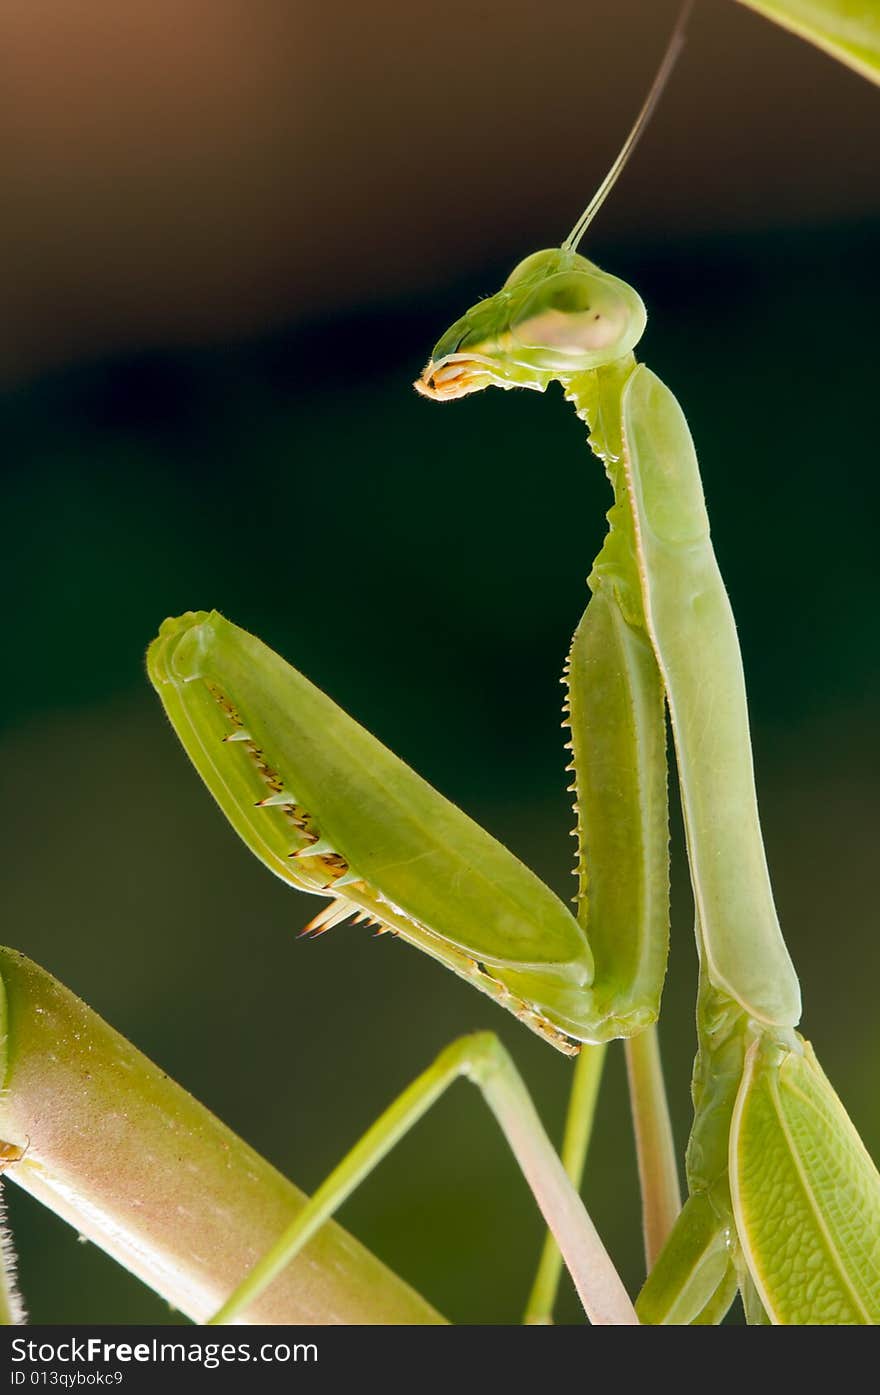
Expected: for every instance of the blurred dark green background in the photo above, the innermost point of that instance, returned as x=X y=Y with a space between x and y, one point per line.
x=208 y=403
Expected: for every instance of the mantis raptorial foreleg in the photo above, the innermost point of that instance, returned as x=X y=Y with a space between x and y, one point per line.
x=332 y=811
x=483 y=1060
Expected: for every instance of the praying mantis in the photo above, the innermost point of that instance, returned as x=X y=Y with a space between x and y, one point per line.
x=784 y=1201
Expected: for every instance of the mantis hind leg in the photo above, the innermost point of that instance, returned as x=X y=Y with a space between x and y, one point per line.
x=483 y=1060
x=575 y=1145
x=655 y=1146
x=658 y=1177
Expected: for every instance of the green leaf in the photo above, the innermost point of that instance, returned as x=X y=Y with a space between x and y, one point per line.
x=847 y=29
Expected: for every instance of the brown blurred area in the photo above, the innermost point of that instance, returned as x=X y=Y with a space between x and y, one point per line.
x=182 y=172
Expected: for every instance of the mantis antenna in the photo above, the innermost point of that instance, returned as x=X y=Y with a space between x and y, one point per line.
x=670 y=57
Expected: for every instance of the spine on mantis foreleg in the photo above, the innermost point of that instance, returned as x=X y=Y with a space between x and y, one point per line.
x=618 y=742
x=615 y=710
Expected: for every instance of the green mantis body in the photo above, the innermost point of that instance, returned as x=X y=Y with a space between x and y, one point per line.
x=332 y=811
x=784 y=1201
x=658 y=569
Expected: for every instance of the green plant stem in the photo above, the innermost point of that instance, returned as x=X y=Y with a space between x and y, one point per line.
x=575 y=1143
x=655 y=1147
x=483 y=1060
x=135 y=1164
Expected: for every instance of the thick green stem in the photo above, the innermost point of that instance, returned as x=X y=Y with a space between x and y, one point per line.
x=655 y=1146
x=134 y=1163
x=575 y=1144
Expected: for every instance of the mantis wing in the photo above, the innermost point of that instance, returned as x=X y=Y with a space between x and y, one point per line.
x=806 y=1195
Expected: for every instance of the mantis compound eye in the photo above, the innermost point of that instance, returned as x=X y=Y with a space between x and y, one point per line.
x=536 y=265
x=576 y=313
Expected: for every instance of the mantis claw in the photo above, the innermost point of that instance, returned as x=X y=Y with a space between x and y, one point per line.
x=319 y=849
x=280 y=797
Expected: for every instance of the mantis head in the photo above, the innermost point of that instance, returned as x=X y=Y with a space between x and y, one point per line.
x=555 y=316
